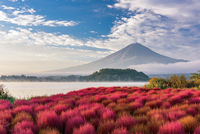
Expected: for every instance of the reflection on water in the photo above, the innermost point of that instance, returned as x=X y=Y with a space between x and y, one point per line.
x=28 y=89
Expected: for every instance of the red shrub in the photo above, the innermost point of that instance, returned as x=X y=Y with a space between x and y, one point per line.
x=65 y=116
x=197 y=130
x=41 y=108
x=6 y=115
x=126 y=121
x=132 y=98
x=191 y=111
x=120 y=131
x=108 y=114
x=60 y=108
x=154 y=104
x=49 y=131
x=100 y=98
x=85 y=129
x=176 y=99
x=22 y=116
x=185 y=94
x=34 y=101
x=135 y=105
x=48 y=119
x=166 y=105
x=73 y=123
x=114 y=96
x=88 y=114
x=5 y=105
x=106 y=127
x=194 y=100
x=23 y=108
x=175 y=115
x=171 y=128
x=45 y=100
x=2 y=130
x=20 y=103
x=23 y=126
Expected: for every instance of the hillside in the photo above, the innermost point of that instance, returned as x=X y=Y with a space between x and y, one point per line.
x=118 y=75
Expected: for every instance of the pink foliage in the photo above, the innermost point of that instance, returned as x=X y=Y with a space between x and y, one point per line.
x=132 y=98
x=20 y=103
x=34 y=101
x=197 y=130
x=24 y=125
x=166 y=105
x=23 y=108
x=41 y=108
x=171 y=128
x=85 y=129
x=126 y=121
x=194 y=100
x=191 y=111
x=46 y=100
x=5 y=104
x=74 y=122
x=175 y=115
x=60 y=108
x=120 y=131
x=108 y=114
x=65 y=116
x=6 y=115
x=185 y=94
x=176 y=99
x=100 y=98
x=88 y=114
x=135 y=105
x=48 y=119
x=2 y=129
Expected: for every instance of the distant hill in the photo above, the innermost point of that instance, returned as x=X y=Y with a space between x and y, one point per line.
x=134 y=54
x=117 y=75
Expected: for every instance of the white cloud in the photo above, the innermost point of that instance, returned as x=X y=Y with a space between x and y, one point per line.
x=110 y=6
x=176 y=9
x=32 y=51
x=26 y=17
x=93 y=32
x=181 y=67
x=5 y=7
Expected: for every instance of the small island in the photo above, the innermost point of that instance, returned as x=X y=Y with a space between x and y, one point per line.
x=118 y=75
x=103 y=75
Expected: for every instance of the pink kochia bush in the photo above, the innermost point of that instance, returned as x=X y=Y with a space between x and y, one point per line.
x=47 y=119
x=73 y=123
x=85 y=129
x=171 y=128
x=126 y=121
x=114 y=110
x=24 y=125
x=120 y=131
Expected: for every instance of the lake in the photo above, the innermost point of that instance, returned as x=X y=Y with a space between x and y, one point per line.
x=28 y=89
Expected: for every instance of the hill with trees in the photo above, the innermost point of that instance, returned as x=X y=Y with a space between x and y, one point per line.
x=117 y=75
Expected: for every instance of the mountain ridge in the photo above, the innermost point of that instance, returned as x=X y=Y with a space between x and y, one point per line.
x=133 y=54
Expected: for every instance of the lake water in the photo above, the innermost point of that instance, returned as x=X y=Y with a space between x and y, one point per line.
x=28 y=89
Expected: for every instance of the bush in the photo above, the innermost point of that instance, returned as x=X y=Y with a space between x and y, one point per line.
x=120 y=131
x=4 y=94
x=126 y=121
x=197 y=130
x=47 y=119
x=171 y=128
x=22 y=116
x=189 y=124
x=85 y=129
x=106 y=127
x=74 y=122
x=157 y=82
x=2 y=130
x=139 y=129
x=49 y=131
x=23 y=126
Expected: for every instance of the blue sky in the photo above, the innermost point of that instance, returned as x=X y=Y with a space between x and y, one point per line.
x=45 y=35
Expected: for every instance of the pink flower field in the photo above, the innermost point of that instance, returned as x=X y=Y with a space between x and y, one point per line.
x=113 y=110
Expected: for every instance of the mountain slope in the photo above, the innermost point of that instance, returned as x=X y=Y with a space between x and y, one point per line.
x=134 y=54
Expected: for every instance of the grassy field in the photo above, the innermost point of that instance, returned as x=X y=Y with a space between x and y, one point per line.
x=114 y=110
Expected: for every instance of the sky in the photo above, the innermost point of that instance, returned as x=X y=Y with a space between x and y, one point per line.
x=37 y=36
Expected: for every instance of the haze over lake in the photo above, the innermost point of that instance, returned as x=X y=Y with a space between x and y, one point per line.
x=28 y=89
